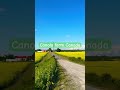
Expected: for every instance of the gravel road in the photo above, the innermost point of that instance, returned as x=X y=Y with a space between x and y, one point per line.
x=76 y=72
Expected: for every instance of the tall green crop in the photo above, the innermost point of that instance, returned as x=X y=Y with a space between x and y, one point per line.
x=45 y=74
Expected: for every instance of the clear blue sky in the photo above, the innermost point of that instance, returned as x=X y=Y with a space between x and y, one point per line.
x=59 y=21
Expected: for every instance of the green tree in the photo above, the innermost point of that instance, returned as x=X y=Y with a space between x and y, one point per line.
x=58 y=50
x=50 y=50
x=10 y=56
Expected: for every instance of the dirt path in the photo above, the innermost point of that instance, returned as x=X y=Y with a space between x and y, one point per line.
x=75 y=71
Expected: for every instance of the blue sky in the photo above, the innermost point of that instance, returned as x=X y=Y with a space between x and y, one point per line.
x=59 y=21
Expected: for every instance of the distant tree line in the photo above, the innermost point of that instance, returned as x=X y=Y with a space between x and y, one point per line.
x=72 y=50
x=102 y=58
x=9 y=56
x=60 y=50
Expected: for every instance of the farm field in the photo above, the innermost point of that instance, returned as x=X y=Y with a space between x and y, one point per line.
x=9 y=71
x=103 y=67
x=73 y=54
x=39 y=55
x=45 y=73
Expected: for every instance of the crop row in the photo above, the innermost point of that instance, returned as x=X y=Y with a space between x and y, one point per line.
x=45 y=74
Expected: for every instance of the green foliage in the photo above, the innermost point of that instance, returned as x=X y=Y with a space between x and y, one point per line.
x=58 y=50
x=2 y=58
x=50 y=50
x=45 y=74
x=10 y=56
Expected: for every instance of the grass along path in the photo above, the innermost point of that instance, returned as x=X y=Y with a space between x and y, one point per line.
x=46 y=73
x=64 y=81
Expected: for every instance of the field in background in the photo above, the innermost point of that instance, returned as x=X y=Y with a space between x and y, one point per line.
x=47 y=72
x=76 y=57
x=10 y=70
x=104 y=67
x=39 y=56
x=73 y=54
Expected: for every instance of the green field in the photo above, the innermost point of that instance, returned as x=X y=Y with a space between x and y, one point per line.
x=103 y=67
x=46 y=72
x=10 y=70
